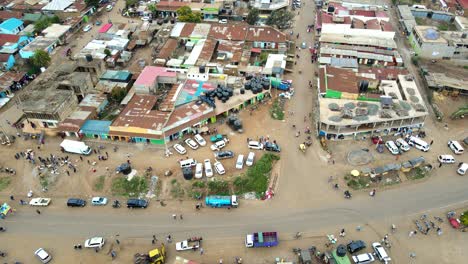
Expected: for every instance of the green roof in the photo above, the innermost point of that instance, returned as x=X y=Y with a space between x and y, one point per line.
x=112 y=75
x=34 y=17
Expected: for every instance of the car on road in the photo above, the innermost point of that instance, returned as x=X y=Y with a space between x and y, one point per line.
x=137 y=203
x=75 y=202
x=402 y=144
x=200 y=140
x=250 y=159
x=255 y=145
x=191 y=143
x=226 y=154
x=223 y=21
x=392 y=147
x=462 y=168
x=145 y=18
x=208 y=168
x=198 y=171
x=380 y=252
x=355 y=246
x=272 y=147
x=99 y=201
x=240 y=162
x=363 y=258
x=40 y=201
x=455 y=147
x=219 y=168
x=180 y=149
x=87 y=28
x=446 y=159
x=43 y=255
x=94 y=242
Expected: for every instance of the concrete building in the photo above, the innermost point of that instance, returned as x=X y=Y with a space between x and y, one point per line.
x=446 y=84
x=268 y=5
x=428 y=42
x=11 y=26
x=39 y=43
x=151 y=76
x=57 y=31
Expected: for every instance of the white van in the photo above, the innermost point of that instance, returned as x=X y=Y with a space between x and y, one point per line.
x=380 y=252
x=250 y=159
x=240 y=162
x=462 y=168
x=419 y=144
x=218 y=145
x=188 y=163
x=455 y=147
x=446 y=159
x=77 y=147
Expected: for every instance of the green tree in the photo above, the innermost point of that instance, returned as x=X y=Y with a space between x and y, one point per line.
x=185 y=14
x=107 y=52
x=40 y=59
x=253 y=16
x=152 y=9
x=42 y=24
x=280 y=18
x=118 y=94
x=94 y=3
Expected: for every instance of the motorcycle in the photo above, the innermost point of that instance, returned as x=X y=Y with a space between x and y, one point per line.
x=2 y=229
x=116 y=204
x=347 y=194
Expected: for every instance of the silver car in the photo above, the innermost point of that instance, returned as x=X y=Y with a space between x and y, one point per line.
x=43 y=256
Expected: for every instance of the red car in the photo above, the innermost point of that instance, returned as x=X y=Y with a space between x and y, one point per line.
x=455 y=223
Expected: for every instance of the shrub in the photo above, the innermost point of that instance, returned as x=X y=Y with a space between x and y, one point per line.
x=121 y=186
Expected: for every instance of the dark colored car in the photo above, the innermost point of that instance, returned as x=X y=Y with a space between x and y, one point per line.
x=75 y=202
x=224 y=154
x=137 y=203
x=355 y=246
x=272 y=147
x=188 y=173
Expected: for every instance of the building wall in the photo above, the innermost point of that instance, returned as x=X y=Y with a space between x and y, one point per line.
x=347 y=30
x=9 y=63
x=430 y=50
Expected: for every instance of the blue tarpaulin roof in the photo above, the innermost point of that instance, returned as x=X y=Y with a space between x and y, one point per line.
x=96 y=127
x=11 y=24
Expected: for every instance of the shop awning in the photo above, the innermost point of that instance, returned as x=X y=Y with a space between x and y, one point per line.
x=256 y=50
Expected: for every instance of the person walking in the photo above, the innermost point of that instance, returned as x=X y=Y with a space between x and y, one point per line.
x=432 y=142
x=174 y=216
x=12 y=197
x=202 y=251
x=38 y=212
x=440 y=164
x=181 y=217
x=81 y=158
x=68 y=173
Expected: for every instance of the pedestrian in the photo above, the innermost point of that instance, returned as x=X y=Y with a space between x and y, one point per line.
x=38 y=212
x=68 y=173
x=89 y=163
x=333 y=162
x=107 y=154
x=12 y=197
x=432 y=142
x=154 y=237
x=440 y=164
x=181 y=218
x=128 y=161
x=117 y=241
x=220 y=261
x=439 y=231
x=342 y=233
x=202 y=251
x=174 y=216
x=95 y=152
x=385 y=237
x=74 y=170
x=81 y=158
x=153 y=242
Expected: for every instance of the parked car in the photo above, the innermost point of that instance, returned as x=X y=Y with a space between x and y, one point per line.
x=418 y=143
x=446 y=159
x=462 y=168
x=391 y=146
x=250 y=159
x=200 y=140
x=191 y=143
x=255 y=145
x=99 y=201
x=240 y=162
x=43 y=255
x=137 y=203
x=199 y=171
x=219 y=168
x=109 y=8
x=145 y=18
x=208 y=168
x=455 y=147
x=223 y=21
x=219 y=144
x=94 y=242
x=363 y=258
x=187 y=172
x=402 y=144
x=75 y=202
x=272 y=147
x=180 y=149
x=380 y=252
x=87 y=28
x=355 y=246
x=226 y=154
x=40 y=201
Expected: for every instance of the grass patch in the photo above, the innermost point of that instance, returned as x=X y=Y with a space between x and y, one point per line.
x=358 y=183
x=256 y=177
x=44 y=182
x=417 y=174
x=4 y=183
x=276 y=110
x=176 y=189
x=218 y=187
x=120 y=186
x=99 y=183
x=464 y=218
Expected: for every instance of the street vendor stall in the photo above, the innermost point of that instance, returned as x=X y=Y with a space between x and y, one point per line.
x=5 y=210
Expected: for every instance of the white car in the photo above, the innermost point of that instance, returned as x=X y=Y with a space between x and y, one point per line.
x=43 y=256
x=94 y=242
x=446 y=159
x=363 y=258
x=198 y=171
x=222 y=21
x=218 y=145
x=455 y=147
x=391 y=146
x=180 y=149
x=240 y=162
x=380 y=252
x=40 y=202
x=462 y=168
x=219 y=168
x=87 y=28
x=191 y=143
x=200 y=140
x=255 y=145
x=109 y=8
x=250 y=159
x=208 y=169
x=99 y=201
x=145 y=18
x=402 y=144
